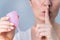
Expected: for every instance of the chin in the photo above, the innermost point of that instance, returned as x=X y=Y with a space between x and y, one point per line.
x=42 y=18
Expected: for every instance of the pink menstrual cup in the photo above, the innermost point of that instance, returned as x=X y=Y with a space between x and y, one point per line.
x=13 y=18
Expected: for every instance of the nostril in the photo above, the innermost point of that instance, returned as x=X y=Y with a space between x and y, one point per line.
x=50 y=4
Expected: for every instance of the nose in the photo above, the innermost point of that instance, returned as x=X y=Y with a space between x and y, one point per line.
x=47 y=3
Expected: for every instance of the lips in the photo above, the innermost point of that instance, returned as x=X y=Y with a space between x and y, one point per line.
x=43 y=12
x=49 y=12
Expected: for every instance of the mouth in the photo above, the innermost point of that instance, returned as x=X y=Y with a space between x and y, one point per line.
x=43 y=12
x=49 y=12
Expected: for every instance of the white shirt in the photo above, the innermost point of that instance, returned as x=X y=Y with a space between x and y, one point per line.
x=25 y=35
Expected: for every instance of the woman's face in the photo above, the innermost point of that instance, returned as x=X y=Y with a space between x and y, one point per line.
x=39 y=6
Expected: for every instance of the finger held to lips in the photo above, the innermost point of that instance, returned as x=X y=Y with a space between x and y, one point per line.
x=47 y=19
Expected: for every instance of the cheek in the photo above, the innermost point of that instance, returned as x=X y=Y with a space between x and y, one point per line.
x=35 y=7
x=35 y=4
x=55 y=5
x=55 y=8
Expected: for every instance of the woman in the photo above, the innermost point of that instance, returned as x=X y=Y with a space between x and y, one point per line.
x=45 y=12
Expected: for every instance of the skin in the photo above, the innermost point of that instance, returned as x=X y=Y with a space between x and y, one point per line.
x=41 y=17
x=7 y=29
x=38 y=5
x=41 y=20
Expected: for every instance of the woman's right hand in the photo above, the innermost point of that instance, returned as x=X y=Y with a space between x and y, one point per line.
x=44 y=30
x=7 y=29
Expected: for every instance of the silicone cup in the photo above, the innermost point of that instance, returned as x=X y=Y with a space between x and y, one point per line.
x=13 y=18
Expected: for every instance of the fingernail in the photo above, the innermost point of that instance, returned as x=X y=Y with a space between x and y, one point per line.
x=12 y=27
x=9 y=29
x=11 y=23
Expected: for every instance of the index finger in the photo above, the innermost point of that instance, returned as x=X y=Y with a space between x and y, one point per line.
x=47 y=20
x=4 y=18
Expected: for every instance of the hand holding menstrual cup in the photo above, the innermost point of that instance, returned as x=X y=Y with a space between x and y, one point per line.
x=5 y=34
